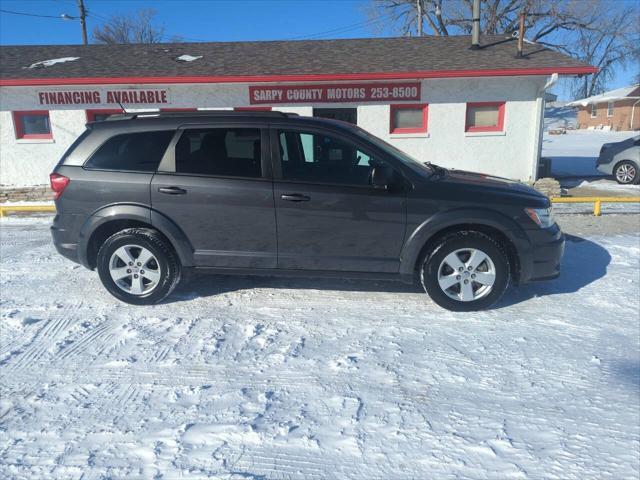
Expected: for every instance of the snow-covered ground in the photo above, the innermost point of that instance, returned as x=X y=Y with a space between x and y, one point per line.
x=240 y=378
x=574 y=153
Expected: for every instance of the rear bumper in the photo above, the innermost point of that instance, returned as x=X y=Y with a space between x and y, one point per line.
x=65 y=236
x=542 y=260
x=606 y=168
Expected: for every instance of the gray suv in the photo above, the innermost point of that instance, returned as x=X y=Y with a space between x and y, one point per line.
x=622 y=160
x=141 y=198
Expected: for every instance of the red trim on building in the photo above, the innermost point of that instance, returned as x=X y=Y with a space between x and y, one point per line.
x=19 y=127
x=499 y=127
x=252 y=109
x=425 y=118
x=91 y=113
x=6 y=82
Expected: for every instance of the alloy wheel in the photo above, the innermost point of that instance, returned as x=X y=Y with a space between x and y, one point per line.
x=134 y=269
x=625 y=173
x=467 y=274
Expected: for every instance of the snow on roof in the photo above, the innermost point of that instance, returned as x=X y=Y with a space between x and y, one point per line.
x=610 y=96
x=188 y=58
x=53 y=61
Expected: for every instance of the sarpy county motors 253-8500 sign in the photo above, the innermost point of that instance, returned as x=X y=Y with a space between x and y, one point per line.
x=355 y=92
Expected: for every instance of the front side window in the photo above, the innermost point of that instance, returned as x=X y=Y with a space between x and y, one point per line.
x=594 y=110
x=408 y=118
x=133 y=152
x=485 y=117
x=32 y=124
x=610 y=106
x=227 y=152
x=320 y=158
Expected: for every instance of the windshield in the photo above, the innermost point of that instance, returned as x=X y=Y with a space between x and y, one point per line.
x=391 y=150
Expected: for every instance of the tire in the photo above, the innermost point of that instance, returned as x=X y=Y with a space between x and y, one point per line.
x=626 y=173
x=436 y=272
x=117 y=266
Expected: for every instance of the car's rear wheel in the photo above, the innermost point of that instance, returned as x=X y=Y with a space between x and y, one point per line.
x=626 y=173
x=138 y=266
x=466 y=271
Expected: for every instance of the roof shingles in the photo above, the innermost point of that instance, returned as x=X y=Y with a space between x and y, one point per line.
x=281 y=58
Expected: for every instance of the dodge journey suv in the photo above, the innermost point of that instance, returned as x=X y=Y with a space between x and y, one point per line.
x=143 y=197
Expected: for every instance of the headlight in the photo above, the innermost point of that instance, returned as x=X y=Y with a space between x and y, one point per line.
x=542 y=216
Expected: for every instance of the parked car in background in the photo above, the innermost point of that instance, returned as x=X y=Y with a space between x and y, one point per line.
x=622 y=160
x=142 y=197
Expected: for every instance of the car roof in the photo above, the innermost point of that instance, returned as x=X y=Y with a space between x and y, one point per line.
x=156 y=120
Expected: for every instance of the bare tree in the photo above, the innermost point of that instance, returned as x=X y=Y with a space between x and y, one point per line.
x=127 y=28
x=616 y=43
x=601 y=32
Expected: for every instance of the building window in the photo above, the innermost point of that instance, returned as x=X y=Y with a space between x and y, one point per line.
x=32 y=124
x=610 y=106
x=409 y=118
x=485 y=117
x=101 y=114
x=252 y=109
x=594 y=110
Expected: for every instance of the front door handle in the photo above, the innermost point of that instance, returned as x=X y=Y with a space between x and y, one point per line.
x=295 y=197
x=172 y=190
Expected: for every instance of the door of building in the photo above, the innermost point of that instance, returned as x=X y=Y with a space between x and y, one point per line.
x=345 y=114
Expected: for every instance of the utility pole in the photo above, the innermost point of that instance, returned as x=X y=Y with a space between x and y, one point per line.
x=83 y=21
x=419 y=7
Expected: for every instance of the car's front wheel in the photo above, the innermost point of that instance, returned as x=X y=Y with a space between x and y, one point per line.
x=466 y=271
x=138 y=266
x=627 y=173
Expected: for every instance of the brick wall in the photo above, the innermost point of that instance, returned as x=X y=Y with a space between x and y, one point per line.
x=26 y=194
x=620 y=120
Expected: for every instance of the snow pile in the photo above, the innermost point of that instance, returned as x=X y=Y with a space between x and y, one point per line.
x=53 y=61
x=612 y=186
x=296 y=378
x=560 y=117
x=188 y=58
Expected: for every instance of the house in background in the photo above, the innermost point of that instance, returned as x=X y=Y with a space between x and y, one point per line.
x=617 y=109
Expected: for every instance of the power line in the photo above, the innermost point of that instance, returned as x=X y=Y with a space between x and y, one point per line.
x=344 y=29
x=59 y=17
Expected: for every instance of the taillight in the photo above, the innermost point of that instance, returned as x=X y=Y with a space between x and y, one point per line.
x=58 y=184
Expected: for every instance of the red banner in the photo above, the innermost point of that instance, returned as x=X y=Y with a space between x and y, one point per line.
x=337 y=93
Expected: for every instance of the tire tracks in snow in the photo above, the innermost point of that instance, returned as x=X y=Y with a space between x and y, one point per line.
x=45 y=339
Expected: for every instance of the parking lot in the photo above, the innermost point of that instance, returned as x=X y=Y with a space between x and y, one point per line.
x=240 y=377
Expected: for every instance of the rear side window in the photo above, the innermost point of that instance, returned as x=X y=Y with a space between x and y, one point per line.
x=134 y=152
x=74 y=145
x=228 y=152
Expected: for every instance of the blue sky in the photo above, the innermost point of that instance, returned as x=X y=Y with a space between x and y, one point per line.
x=208 y=20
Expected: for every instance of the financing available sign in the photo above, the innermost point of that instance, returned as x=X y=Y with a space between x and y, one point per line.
x=97 y=97
x=336 y=93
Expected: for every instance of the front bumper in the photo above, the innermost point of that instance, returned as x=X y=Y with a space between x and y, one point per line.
x=542 y=261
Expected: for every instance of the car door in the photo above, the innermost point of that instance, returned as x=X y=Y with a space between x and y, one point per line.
x=215 y=184
x=329 y=216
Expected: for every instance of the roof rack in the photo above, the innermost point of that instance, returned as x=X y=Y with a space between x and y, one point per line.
x=199 y=113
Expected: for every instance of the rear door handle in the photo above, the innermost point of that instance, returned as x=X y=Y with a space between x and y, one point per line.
x=295 y=197
x=172 y=190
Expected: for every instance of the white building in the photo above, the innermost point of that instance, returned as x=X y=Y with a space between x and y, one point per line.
x=434 y=97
